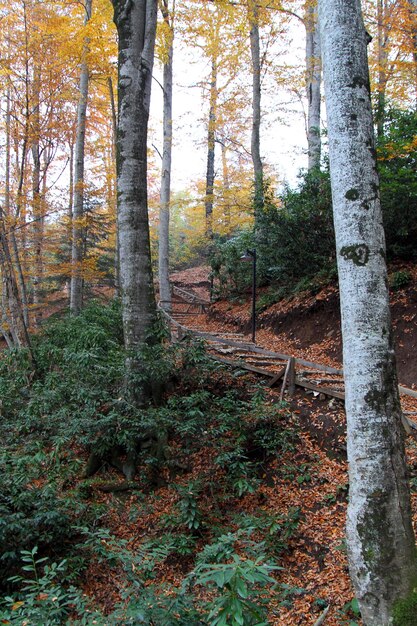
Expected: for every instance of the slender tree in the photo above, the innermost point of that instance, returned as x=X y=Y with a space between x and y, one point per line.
x=413 y=11
x=136 y=26
x=165 y=195
x=76 y=295
x=381 y=547
x=211 y=147
x=313 y=84
x=253 y=16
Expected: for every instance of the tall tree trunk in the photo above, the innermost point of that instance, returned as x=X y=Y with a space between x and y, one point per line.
x=136 y=25
x=413 y=10
x=76 y=296
x=114 y=193
x=381 y=547
x=211 y=143
x=7 y=163
x=253 y=13
x=382 y=66
x=226 y=185
x=38 y=221
x=313 y=84
x=165 y=196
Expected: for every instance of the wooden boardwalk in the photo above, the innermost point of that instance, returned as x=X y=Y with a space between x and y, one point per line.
x=234 y=350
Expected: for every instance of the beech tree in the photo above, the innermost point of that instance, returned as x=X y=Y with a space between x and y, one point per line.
x=313 y=84
x=136 y=26
x=78 y=207
x=165 y=194
x=253 y=17
x=380 y=539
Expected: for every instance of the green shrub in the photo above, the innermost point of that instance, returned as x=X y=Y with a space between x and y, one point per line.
x=405 y=611
x=397 y=164
x=239 y=584
x=399 y=280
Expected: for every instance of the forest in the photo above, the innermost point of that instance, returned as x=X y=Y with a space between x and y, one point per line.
x=208 y=325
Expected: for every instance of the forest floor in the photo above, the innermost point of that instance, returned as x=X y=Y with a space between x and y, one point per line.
x=310 y=480
x=308 y=326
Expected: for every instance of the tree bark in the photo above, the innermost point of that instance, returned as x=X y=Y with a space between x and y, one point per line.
x=114 y=152
x=211 y=145
x=18 y=324
x=38 y=221
x=76 y=296
x=382 y=66
x=413 y=10
x=253 y=12
x=313 y=84
x=381 y=548
x=136 y=25
x=165 y=195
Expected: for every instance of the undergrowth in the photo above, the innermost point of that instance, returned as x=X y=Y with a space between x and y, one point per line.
x=54 y=524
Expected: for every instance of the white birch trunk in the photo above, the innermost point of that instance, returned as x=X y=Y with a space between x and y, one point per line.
x=381 y=548
x=313 y=84
x=136 y=25
x=76 y=295
x=165 y=196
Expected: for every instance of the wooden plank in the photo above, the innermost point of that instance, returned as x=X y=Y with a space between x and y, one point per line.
x=326 y=390
x=244 y=366
x=277 y=377
x=405 y=391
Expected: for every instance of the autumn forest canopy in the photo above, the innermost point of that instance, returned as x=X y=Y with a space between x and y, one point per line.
x=145 y=481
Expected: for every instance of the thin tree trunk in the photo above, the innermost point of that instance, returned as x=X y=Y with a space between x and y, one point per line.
x=165 y=196
x=136 y=25
x=36 y=199
x=76 y=297
x=413 y=9
x=7 y=163
x=313 y=83
x=114 y=152
x=382 y=66
x=256 y=105
x=211 y=143
x=381 y=546
x=17 y=319
x=226 y=185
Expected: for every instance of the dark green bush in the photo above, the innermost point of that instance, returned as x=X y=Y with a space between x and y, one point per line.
x=397 y=163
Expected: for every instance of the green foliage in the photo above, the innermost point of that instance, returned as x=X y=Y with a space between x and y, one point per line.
x=405 y=611
x=230 y=274
x=239 y=471
x=296 y=236
x=275 y=530
x=190 y=514
x=32 y=507
x=399 y=280
x=350 y=610
x=43 y=598
x=397 y=161
x=74 y=405
x=239 y=583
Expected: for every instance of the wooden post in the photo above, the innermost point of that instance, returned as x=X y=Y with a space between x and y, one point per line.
x=291 y=376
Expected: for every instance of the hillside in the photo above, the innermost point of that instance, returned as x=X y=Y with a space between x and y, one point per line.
x=308 y=325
